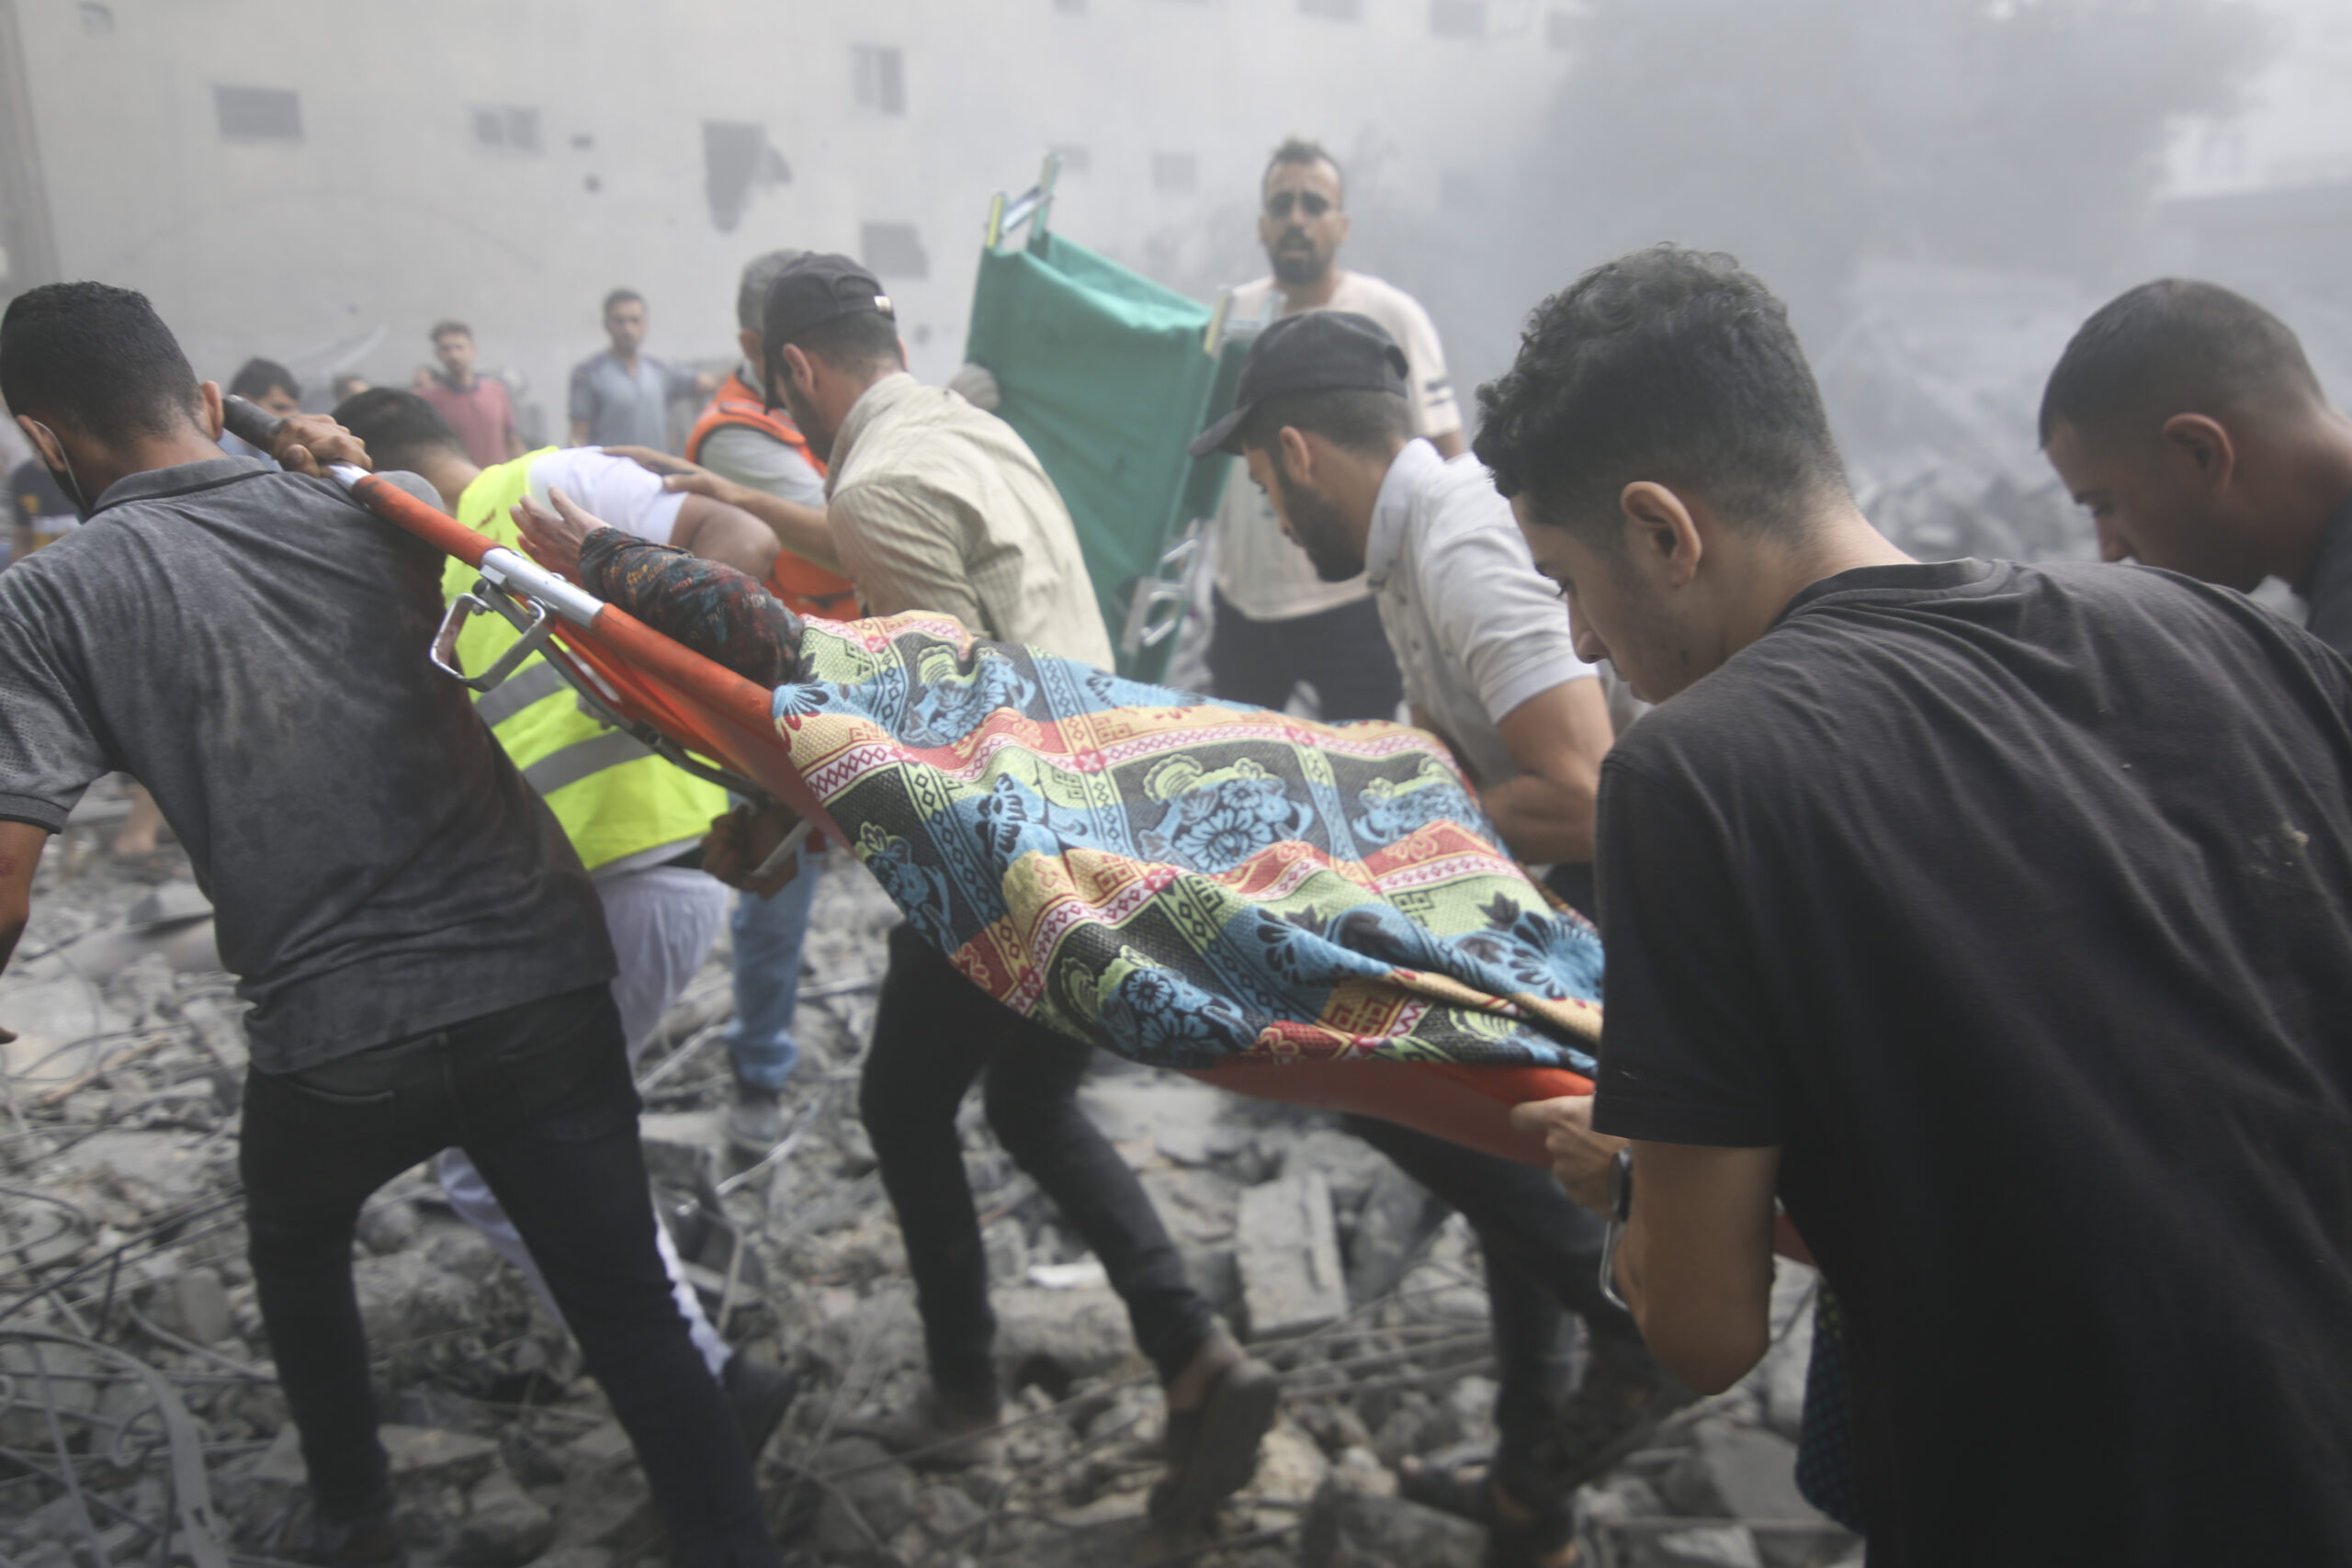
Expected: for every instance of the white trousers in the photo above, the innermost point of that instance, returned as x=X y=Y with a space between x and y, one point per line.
x=663 y=921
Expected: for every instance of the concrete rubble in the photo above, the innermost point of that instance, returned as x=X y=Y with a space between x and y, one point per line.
x=134 y=1378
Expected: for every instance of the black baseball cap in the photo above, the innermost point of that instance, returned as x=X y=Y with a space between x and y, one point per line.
x=817 y=288
x=1315 y=351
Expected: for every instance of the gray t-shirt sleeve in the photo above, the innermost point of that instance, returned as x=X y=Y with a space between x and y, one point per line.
x=1502 y=623
x=584 y=393
x=749 y=457
x=401 y=479
x=50 y=752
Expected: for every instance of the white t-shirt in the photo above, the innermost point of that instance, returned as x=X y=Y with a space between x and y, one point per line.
x=1258 y=571
x=619 y=490
x=1475 y=629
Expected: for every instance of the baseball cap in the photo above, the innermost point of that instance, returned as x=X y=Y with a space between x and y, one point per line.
x=817 y=288
x=1315 y=351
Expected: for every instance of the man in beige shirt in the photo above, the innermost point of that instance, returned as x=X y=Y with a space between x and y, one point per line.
x=934 y=504
x=937 y=505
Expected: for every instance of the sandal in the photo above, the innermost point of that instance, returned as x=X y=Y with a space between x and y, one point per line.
x=1511 y=1543
x=1213 y=1451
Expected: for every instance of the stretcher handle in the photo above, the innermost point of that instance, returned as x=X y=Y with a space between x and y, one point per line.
x=251 y=423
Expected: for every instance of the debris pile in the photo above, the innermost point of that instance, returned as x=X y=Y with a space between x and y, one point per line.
x=139 y=1421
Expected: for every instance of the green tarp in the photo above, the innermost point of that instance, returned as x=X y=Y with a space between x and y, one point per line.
x=1105 y=376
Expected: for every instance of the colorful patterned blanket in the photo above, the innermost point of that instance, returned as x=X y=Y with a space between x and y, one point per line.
x=1185 y=882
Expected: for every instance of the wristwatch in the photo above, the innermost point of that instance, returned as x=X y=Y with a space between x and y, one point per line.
x=1621 y=1209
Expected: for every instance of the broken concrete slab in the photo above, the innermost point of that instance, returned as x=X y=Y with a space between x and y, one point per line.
x=1348 y=1164
x=58 y=1023
x=502 y=1527
x=1399 y=1213
x=1288 y=1252
x=1348 y=1527
x=1053 y=1338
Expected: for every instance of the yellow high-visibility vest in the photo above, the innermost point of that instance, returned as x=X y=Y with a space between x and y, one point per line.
x=613 y=797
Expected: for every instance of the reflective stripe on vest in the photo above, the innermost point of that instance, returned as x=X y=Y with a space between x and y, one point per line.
x=581 y=757
x=801 y=583
x=613 y=797
x=518 y=692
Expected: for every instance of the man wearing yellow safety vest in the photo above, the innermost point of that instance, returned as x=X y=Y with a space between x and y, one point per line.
x=635 y=820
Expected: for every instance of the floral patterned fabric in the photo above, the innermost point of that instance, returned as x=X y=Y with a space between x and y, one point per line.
x=716 y=610
x=1185 y=883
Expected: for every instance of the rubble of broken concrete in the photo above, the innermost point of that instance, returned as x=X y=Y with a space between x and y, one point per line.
x=139 y=1422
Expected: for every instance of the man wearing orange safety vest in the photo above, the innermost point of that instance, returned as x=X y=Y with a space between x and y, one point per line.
x=755 y=457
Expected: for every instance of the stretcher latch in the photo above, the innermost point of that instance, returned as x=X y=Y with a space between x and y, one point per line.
x=530 y=617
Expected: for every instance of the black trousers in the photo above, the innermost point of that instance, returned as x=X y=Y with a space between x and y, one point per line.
x=1342 y=653
x=933 y=1033
x=1542 y=1256
x=540 y=1098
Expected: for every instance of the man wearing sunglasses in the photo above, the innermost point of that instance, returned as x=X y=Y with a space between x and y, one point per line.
x=1278 y=625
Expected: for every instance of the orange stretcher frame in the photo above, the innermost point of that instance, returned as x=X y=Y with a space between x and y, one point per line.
x=703 y=708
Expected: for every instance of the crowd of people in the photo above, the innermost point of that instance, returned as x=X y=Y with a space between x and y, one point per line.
x=1989 y=923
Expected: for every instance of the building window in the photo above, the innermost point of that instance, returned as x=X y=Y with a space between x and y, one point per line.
x=259 y=113
x=1174 y=173
x=1560 y=29
x=1458 y=19
x=504 y=128
x=878 y=78
x=893 y=250
x=1337 y=10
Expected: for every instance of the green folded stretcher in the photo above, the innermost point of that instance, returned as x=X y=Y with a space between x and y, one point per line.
x=1107 y=376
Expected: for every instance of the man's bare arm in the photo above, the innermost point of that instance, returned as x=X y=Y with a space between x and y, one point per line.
x=1695 y=1263
x=20 y=847
x=728 y=535
x=1558 y=738
x=797 y=528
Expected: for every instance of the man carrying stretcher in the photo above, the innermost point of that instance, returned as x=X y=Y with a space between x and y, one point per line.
x=425 y=954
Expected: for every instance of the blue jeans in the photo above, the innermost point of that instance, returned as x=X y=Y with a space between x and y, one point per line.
x=768 y=934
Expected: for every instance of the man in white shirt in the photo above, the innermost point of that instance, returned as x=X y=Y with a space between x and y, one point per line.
x=1322 y=416
x=1278 y=623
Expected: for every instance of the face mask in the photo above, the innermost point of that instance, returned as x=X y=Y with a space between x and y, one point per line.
x=65 y=481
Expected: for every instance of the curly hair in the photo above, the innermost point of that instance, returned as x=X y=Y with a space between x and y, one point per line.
x=1669 y=364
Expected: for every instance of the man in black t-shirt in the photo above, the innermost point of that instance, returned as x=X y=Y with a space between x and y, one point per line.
x=2186 y=420
x=426 y=958
x=1997 y=919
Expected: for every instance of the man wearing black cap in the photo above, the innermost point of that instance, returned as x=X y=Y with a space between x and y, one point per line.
x=1321 y=416
x=937 y=505
x=934 y=504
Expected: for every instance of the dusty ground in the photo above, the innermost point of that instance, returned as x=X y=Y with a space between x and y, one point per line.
x=139 y=1422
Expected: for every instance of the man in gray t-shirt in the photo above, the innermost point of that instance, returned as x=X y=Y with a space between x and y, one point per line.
x=426 y=957
x=622 y=397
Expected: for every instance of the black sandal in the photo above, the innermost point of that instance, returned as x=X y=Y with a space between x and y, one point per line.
x=1213 y=1451
x=1511 y=1543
